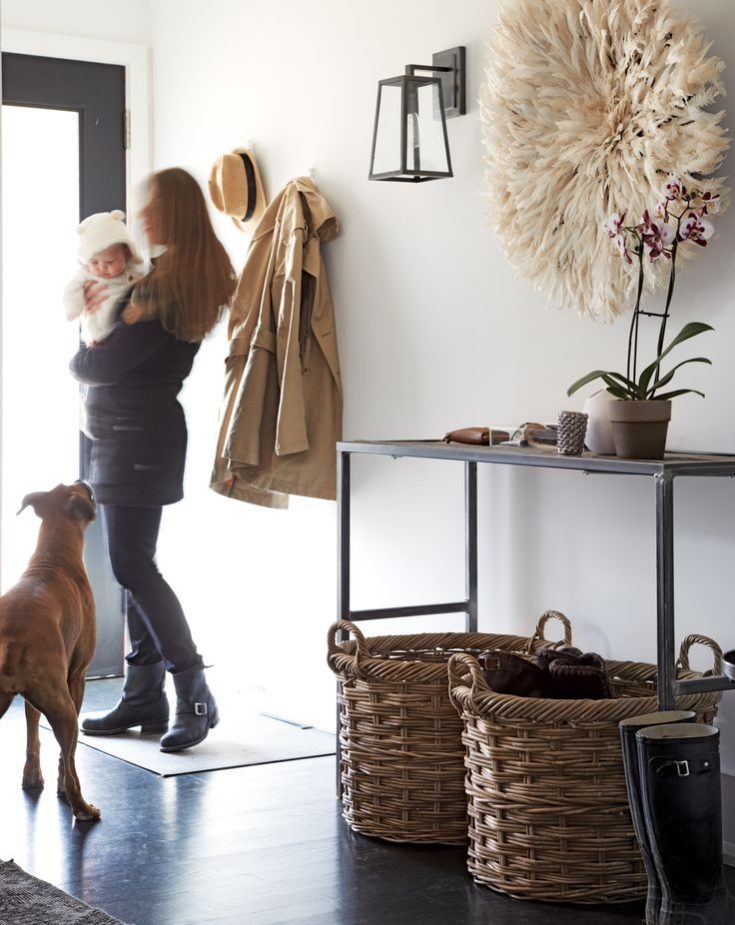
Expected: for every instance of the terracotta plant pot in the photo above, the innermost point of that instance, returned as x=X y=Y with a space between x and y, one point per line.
x=639 y=428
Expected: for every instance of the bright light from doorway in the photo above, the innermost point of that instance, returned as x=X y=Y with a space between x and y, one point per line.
x=40 y=400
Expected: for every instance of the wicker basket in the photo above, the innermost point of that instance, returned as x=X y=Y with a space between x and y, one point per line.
x=402 y=757
x=547 y=804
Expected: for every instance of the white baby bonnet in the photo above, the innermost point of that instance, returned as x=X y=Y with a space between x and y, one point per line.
x=103 y=229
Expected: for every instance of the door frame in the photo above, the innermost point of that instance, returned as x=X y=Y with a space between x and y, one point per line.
x=134 y=60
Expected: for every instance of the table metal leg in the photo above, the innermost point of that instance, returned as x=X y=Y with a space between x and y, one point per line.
x=343 y=565
x=343 y=573
x=470 y=544
x=665 y=590
x=343 y=538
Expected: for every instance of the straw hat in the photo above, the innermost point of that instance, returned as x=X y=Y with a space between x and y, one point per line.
x=236 y=188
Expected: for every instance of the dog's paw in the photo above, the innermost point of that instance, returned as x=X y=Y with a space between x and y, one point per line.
x=33 y=779
x=88 y=812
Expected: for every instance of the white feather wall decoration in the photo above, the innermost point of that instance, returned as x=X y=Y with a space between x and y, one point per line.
x=586 y=106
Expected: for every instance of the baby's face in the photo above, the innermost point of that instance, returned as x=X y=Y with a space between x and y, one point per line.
x=109 y=262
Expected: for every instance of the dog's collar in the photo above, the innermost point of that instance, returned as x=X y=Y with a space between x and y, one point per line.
x=90 y=490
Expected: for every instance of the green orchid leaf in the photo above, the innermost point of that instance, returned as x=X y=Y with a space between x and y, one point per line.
x=692 y=329
x=665 y=380
x=668 y=395
x=618 y=393
x=645 y=377
x=614 y=388
x=590 y=377
x=628 y=384
x=623 y=388
x=689 y=330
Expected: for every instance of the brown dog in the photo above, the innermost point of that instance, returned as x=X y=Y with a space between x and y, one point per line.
x=48 y=634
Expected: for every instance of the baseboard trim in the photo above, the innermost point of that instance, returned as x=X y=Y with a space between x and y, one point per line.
x=728 y=853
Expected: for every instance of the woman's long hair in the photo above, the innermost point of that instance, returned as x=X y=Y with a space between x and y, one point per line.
x=193 y=280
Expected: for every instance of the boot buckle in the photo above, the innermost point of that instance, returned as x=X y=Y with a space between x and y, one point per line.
x=200 y=709
x=682 y=768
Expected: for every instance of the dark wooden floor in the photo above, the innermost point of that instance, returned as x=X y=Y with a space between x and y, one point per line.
x=261 y=845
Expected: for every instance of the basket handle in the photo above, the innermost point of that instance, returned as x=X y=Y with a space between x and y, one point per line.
x=361 y=647
x=464 y=668
x=696 y=639
x=538 y=634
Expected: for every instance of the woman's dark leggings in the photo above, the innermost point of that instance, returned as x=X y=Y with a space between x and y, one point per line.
x=156 y=623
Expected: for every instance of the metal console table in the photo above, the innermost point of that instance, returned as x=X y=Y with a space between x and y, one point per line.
x=663 y=472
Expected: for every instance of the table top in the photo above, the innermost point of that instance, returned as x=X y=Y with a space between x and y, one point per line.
x=673 y=464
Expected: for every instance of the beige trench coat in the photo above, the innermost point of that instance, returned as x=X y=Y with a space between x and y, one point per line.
x=282 y=411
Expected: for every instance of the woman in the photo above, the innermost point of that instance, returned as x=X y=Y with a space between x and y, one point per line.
x=139 y=436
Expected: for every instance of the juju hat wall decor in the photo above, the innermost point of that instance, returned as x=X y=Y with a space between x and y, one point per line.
x=586 y=106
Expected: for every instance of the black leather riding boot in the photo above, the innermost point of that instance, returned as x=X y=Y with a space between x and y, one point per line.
x=679 y=767
x=628 y=728
x=143 y=703
x=196 y=711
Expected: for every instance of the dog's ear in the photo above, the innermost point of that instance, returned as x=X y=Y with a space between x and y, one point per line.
x=80 y=506
x=35 y=500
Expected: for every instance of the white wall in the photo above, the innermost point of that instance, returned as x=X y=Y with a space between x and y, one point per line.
x=117 y=22
x=435 y=332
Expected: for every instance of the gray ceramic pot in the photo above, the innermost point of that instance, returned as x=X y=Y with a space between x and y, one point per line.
x=639 y=428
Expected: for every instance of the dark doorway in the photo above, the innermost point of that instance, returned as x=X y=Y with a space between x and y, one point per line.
x=94 y=95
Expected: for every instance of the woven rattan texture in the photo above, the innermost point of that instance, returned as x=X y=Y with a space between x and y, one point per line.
x=547 y=804
x=402 y=757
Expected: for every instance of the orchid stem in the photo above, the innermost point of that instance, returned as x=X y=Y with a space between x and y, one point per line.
x=665 y=316
x=633 y=334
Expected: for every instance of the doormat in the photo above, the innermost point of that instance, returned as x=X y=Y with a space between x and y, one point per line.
x=240 y=739
x=26 y=900
x=245 y=735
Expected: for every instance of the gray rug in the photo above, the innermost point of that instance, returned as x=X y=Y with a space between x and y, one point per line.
x=241 y=738
x=244 y=736
x=26 y=900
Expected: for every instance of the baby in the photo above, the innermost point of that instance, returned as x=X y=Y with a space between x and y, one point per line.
x=106 y=255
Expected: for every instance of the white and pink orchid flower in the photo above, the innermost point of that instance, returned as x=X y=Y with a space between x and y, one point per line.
x=696 y=229
x=621 y=249
x=673 y=188
x=705 y=203
x=657 y=236
x=613 y=224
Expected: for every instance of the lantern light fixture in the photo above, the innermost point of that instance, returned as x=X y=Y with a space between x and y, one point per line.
x=410 y=142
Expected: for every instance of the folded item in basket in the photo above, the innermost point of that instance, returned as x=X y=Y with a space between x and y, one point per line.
x=576 y=675
x=478 y=436
x=507 y=673
x=562 y=673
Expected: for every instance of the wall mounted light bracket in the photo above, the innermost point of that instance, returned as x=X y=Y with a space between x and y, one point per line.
x=453 y=80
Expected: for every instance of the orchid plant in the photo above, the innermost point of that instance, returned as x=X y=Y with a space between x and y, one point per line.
x=680 y=218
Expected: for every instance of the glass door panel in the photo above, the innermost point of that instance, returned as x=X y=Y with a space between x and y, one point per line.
x=40 y=400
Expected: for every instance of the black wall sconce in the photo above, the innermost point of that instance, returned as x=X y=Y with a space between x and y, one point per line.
x=410 y=142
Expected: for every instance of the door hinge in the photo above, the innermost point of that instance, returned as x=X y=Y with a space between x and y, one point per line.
x=126 y=129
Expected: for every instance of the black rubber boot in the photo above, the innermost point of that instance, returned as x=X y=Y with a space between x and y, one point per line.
x=628 y=728
x=679 y=767
x=196 y=711
x=143 y=703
